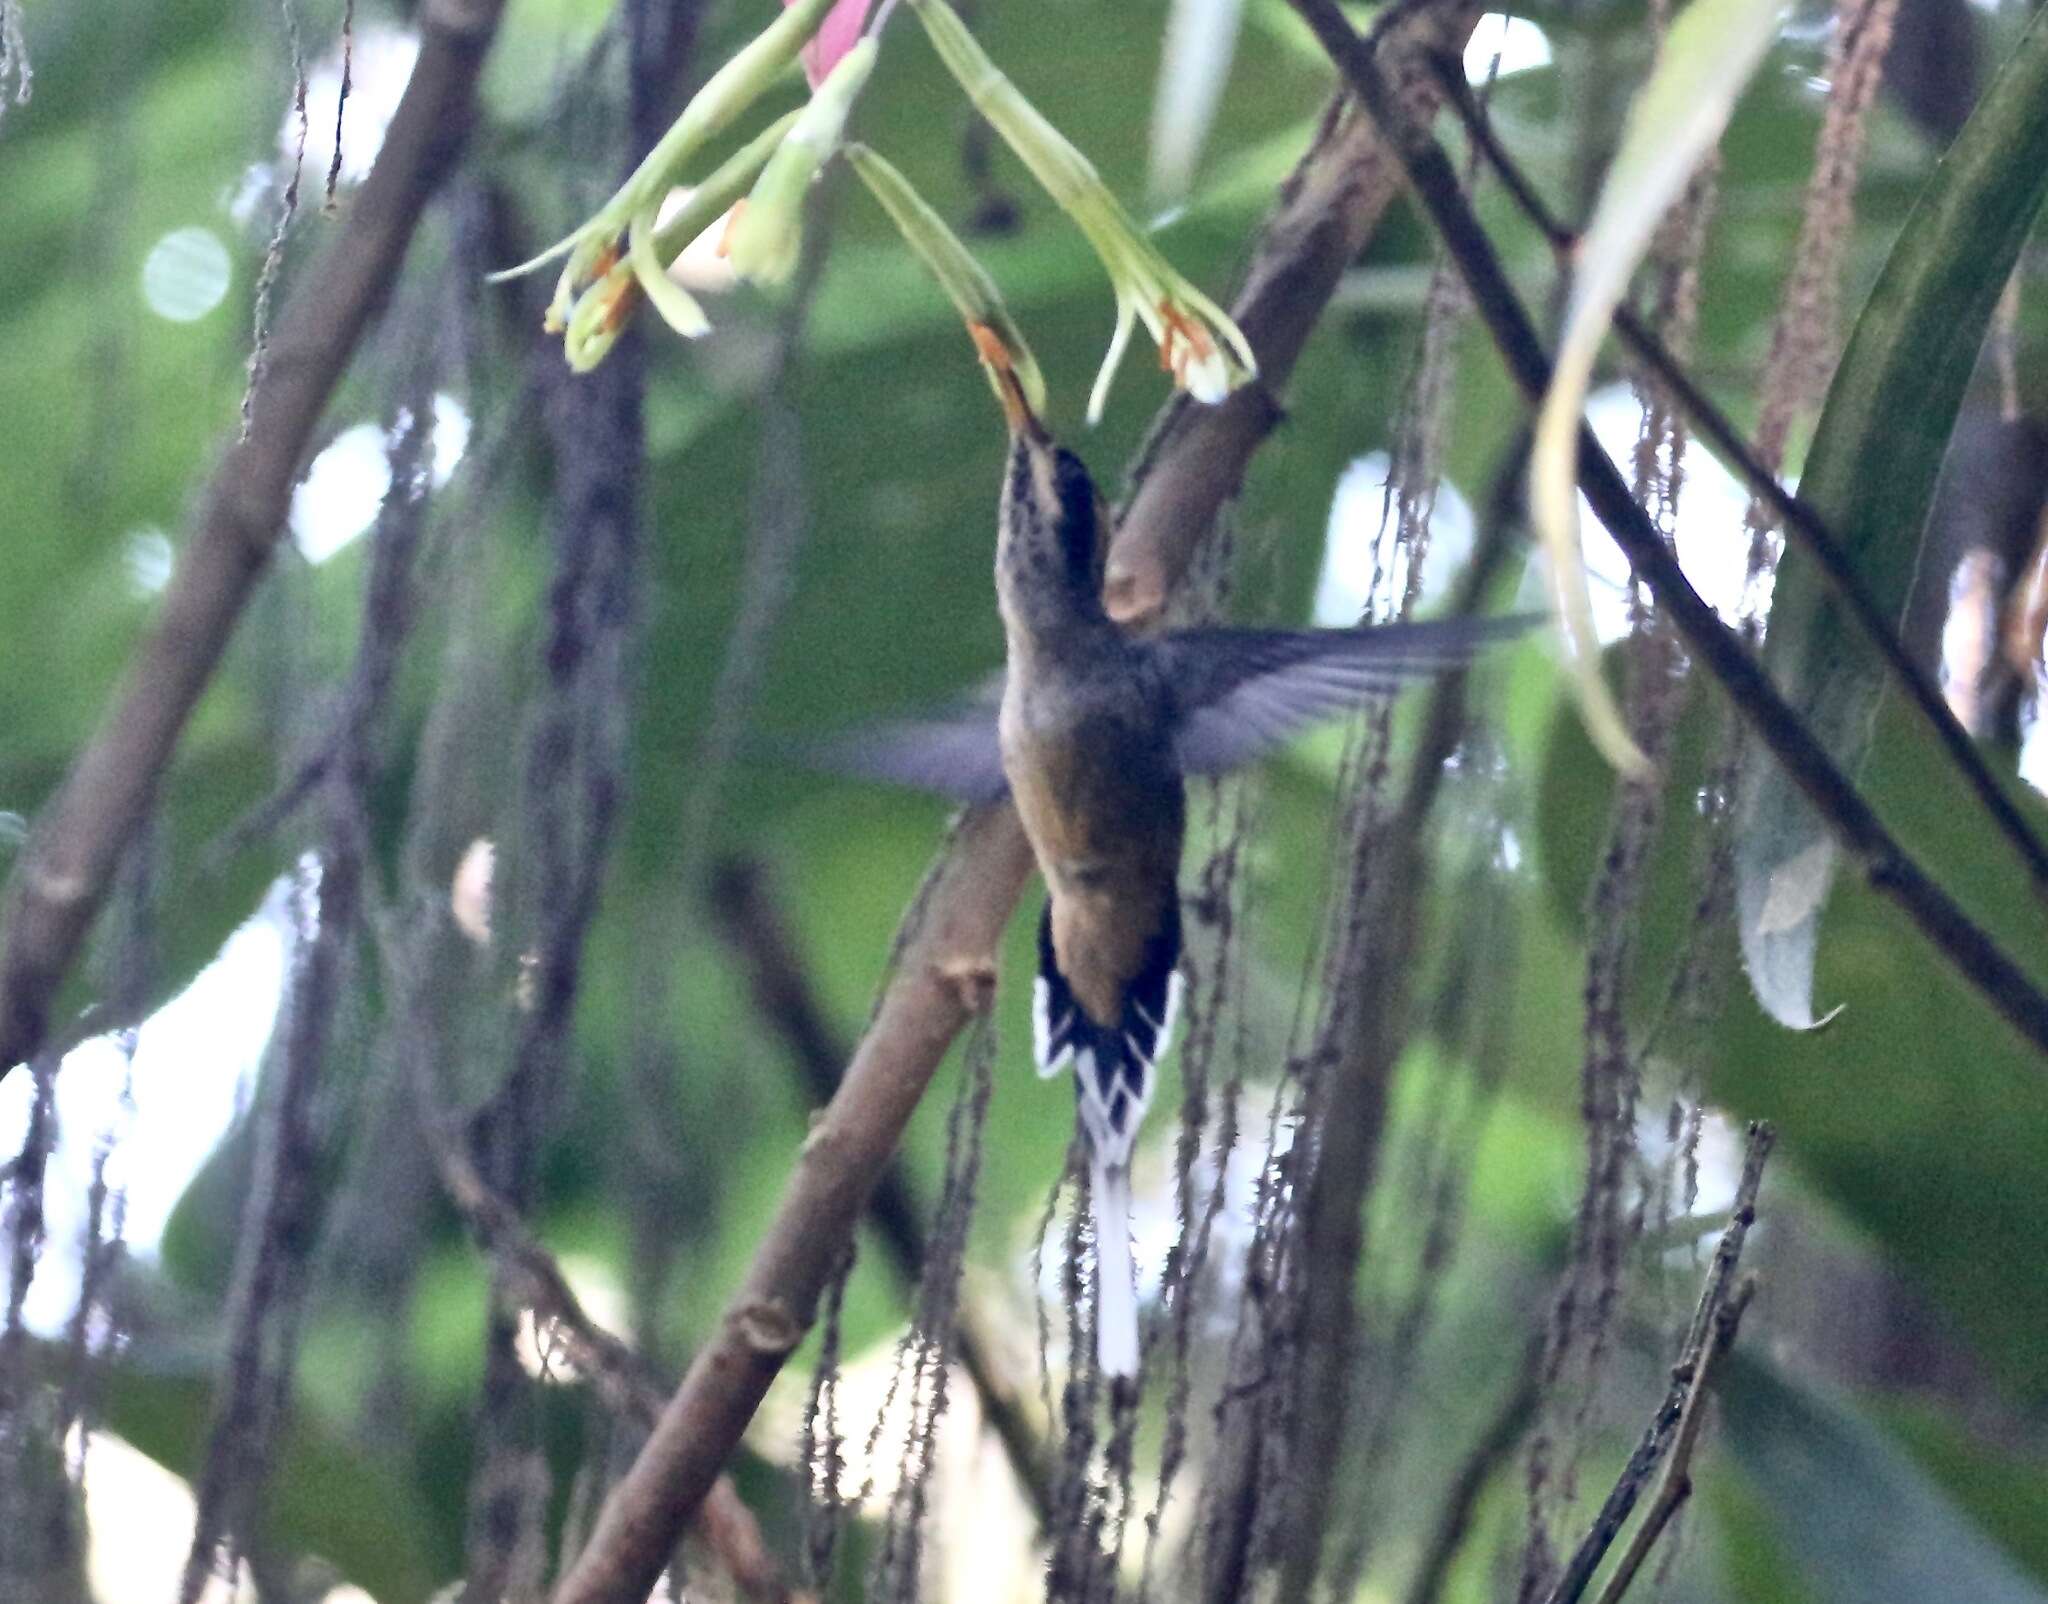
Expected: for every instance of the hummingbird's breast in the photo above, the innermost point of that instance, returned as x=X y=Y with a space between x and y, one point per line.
x=1091 y=768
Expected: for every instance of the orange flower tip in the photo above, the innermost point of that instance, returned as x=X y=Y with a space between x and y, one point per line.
x=995 y=355
x=1188 y=350
x=621 y=305
x=732 y=218
x=991 y=346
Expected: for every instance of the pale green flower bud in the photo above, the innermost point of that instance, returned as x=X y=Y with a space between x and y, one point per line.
x=590 y=322
x=769 y=232
x=711 y=199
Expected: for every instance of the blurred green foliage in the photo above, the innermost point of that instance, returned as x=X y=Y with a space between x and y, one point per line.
x=1916 y=1126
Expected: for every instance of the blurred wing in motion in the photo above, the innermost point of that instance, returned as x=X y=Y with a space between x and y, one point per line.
x=1242 y=693
x=953 y=752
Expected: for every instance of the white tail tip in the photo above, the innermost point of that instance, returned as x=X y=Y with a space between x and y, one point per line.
x=1116 y=1300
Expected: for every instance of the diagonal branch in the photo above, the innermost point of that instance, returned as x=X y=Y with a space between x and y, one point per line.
x=786 y=1002
x=946 y=970
x=1195 y=457
x=1892 y=873
x=65 y=869
x=946 y=954
x=1802 y=523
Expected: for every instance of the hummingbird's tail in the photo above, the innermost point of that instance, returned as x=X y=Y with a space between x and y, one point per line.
x=1116 y=1296
x=1114 y=1073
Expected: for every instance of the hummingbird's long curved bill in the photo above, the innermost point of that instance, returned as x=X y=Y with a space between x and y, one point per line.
x=1002 y=371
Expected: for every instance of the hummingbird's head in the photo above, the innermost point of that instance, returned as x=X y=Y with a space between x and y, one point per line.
x=1055 y=524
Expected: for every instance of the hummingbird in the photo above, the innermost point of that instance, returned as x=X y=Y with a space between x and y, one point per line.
x=1094 y=738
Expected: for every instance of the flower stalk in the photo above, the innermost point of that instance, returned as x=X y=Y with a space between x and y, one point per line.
x=998 y=340
x=1199 y=345
x=624 y=227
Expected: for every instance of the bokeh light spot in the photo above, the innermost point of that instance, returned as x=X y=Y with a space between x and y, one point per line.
x=186 y=274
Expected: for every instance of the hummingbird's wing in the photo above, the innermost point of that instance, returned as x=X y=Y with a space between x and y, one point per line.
x=952 y=751
x=1240 y=693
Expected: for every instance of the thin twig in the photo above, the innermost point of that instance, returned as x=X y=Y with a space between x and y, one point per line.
x=1802 y=523
x=1376 y=930
x=348 y=78
x=1676 y=1486
x=287 y=209
x=946 y=954
x=64 y=872
x=1714 y=1322
x=286 y=1202
x=1891 y=872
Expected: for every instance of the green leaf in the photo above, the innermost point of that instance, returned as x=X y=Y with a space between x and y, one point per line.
x=1708 y=57
x=1919 y=1114
x=1870 y=476
x=2004 y=1489
x=1194 y=64
x=1861 y=1519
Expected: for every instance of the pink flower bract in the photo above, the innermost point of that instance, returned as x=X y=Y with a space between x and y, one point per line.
x=835 y=36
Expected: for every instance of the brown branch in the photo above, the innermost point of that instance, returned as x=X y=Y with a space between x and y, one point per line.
x=1808 y=530
x=1326 y=212
x=1891 y=872
x=70 y=858
x=945 y=971
x=946 y=956
x=783 y=996
x=1677 y=1421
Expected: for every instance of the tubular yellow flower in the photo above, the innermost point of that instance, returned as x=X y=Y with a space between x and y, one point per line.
x=766 y=237
x=1199 y=344
x=966 y=283
x=595 y=248
x=609 y=286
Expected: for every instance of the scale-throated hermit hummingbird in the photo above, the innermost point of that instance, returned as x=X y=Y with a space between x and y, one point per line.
x=1094 y=739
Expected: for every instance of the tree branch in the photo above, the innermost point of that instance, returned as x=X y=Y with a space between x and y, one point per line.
x=946 y=952
x=1886 y=865
x=1802 y=523
x=70 y=858
x=1325 y=213
x=785 y=1000
x=1676 y=1424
